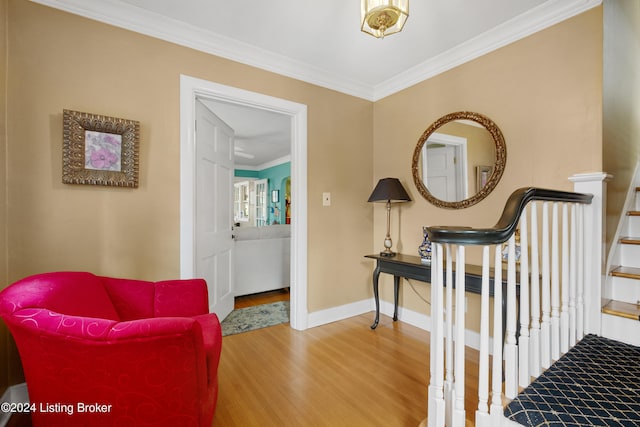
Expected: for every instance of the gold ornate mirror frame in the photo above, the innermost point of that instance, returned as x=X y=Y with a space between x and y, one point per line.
x=498 y=169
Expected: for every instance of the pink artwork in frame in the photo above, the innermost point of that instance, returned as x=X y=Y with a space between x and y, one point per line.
x=99 y=150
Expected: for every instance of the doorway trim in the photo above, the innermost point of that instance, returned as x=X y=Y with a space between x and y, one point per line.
x=190 y=88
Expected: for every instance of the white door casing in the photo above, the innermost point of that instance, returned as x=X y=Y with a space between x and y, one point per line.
x=190 y=88
x=214 y=209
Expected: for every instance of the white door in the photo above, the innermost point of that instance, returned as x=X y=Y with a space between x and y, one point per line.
x=214 y=208
x=441 y=173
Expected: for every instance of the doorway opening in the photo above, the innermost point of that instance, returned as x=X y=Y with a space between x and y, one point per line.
x=192 y=88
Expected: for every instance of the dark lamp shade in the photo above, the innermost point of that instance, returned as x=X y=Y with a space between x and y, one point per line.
x=389 y=190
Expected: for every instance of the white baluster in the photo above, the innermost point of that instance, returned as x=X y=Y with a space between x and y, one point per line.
x=482 y=414
x=581 y=269
x=496 y=378
x=555 y=285
x=573 y=277
x=510 y=349
x=534 y=340
x=449 y=396
x=545 y=326
x=436 y=410
x=523 y=341
x=458 y=419
x=564 y=286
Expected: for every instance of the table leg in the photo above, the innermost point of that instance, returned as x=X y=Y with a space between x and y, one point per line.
x=396 y=291
x=376 y=297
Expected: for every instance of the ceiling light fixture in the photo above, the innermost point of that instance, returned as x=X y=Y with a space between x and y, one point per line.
x=383 y=17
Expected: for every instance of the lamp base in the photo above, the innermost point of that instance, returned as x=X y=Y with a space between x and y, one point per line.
x=387 y=253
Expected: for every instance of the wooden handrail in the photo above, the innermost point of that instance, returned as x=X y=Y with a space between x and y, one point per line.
x=508 y=221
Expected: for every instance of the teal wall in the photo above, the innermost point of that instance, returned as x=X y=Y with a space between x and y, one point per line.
x=242 y=173
x=276 y=176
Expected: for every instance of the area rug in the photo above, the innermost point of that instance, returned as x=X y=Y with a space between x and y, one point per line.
x=252 y=318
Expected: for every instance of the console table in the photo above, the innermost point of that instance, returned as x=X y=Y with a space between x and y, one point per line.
x=411 y=267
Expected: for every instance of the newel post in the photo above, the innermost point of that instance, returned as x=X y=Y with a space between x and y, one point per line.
x=595 y=240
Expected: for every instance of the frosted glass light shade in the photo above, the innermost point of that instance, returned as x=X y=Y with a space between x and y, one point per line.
x=381 y=18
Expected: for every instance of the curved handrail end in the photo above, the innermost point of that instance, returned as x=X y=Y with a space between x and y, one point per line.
x=508 y=221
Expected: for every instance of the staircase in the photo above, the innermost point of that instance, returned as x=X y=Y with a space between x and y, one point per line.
x=621 y=299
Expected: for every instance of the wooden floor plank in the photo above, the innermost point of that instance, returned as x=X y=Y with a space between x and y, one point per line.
x=261 y=298
x=340 y=374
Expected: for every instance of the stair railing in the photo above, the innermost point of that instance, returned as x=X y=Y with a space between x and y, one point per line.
x=560 y=249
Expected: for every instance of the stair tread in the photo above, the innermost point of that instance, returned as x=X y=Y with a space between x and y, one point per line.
x=628 y=272
x=630 y=240
x=622 y=309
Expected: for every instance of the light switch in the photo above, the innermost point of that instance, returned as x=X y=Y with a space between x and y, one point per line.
x=326 y=199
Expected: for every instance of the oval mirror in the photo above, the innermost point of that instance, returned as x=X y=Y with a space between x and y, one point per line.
x=459 y=160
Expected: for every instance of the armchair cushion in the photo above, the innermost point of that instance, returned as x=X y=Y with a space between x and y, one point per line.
x=147 y=370
x=132 y=299
x=192 y=302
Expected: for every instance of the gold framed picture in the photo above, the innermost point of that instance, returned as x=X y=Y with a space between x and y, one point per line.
x=99 y=150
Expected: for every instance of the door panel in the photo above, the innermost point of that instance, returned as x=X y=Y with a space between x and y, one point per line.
x=441 y=173
x=214 y=208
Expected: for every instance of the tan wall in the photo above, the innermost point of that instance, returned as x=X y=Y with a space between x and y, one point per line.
x=621 y=102
x=544 y=92
x=58 y=61
x=4 y=372
x=3 y=141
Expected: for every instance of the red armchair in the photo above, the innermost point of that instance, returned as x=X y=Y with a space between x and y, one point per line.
x=99 y=351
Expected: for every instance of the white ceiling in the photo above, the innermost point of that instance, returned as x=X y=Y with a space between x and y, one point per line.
x=320 y=41
x=262 y=138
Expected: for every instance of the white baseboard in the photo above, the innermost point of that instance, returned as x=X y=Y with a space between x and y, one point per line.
x=334 y=314
x=14 y=394
x=419 y=320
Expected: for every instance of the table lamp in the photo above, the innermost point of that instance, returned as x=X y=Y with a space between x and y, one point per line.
x=389 y=190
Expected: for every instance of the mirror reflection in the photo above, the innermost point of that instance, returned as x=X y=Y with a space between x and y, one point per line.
x=458 y=160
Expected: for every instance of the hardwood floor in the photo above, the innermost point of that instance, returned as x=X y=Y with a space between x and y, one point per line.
x=339 y=374
x=261 y=298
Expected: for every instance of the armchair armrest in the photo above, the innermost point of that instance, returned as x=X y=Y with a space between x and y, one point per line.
x=155 y=328
x=46 y=322
x=90 y=329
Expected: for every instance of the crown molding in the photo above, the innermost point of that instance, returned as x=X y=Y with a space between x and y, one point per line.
x=149 y=23
x=266 y=165
x=547 y=14
x=135 y=19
